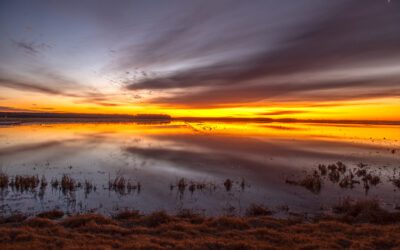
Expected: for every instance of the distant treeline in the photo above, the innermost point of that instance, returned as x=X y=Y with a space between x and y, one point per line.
x=83 y=116
x=163 y=117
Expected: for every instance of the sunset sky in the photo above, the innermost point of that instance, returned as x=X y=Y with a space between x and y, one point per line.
x=299 y=59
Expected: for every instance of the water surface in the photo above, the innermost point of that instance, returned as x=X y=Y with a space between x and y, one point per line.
x=264 y=155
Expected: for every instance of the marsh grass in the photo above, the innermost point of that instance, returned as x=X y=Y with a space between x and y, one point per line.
x=395 y=180
x=364 y=211
x=43 y=182
x=123 y=186
x=192 y=185
x=258 y=210
x=228 y=184
x=312 y=182
x=181 y=185
x=242 y=184
x=55 y=183
x=339 y=174
x=67 y=183
x=89 y=187
x=4 y=180
x=24 y=183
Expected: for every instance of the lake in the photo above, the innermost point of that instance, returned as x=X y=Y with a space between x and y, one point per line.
x=179 y=165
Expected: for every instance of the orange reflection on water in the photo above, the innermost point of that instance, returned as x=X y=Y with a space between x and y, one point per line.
x=360 y=133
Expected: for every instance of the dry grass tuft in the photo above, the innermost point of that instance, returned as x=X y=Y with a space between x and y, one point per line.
x=155 y=219
x=194 y=218
x=258 y=210
x=15 y=218
x=52 y=215
x=127 y=215
x=82 y=220
x=364 y=211
x=229 y=223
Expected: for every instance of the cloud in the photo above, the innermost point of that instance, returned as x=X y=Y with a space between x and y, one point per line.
x=283 y=112
x=223 y=96
x=31 y=48
x=332 y=54
x=82 y=96
x=25 y=86
x=12 y=109
x=40 y=79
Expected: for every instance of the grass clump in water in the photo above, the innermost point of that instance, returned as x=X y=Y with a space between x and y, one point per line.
x=4 y=180
x=123 y=186
x=24 y=183
x=312 y=182
x=228 y=184
x=67 y=183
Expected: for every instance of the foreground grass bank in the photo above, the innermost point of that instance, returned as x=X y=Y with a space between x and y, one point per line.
x=363 y=225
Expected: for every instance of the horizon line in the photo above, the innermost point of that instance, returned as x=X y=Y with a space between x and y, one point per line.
x=60 y=115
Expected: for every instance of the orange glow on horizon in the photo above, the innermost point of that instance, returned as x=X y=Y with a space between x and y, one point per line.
x=369 y=109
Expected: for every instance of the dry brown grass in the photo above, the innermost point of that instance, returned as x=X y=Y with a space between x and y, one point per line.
x=258 y=210
x=364 y=211
x=52 y=215
x=130 y=230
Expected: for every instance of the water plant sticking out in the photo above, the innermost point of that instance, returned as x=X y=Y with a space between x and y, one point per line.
x=228 y=184
x=340 y=174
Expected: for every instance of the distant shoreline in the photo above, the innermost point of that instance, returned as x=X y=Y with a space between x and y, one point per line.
x=14 y=118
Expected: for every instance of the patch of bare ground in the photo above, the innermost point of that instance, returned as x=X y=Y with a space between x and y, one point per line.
x=358 y=225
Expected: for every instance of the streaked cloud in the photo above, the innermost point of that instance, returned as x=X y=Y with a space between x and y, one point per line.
x=331 y=52
x=32 y=48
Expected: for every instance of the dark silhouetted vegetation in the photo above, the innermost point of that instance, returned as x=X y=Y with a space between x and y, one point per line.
x=311 y=182
x=341 y=175
x=228 y=184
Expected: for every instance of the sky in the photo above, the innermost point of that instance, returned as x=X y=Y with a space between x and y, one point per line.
x=304 y=59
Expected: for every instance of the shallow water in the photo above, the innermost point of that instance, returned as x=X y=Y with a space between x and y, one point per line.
x=264 y=155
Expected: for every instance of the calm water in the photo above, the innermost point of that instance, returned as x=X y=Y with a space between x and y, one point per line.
x=158 y=155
